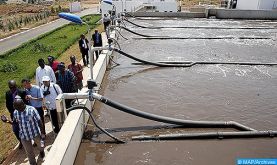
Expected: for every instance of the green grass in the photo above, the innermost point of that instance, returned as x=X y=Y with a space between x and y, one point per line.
x=25 y=59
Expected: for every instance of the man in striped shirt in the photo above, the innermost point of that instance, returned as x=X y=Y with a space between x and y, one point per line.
x=30 y=125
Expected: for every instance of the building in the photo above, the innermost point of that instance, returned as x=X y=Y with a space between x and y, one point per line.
x=136 y=5
x=253 y=4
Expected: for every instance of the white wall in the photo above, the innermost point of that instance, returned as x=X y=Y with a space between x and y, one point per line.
x=267 y=4
x=75 y=7
x=105 y=8
x=121 y=5
x=131 y=5
x=167 y=6
x=256 y=4
x=247 y=4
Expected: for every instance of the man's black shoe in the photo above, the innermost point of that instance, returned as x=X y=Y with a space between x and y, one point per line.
x=41 y=154
x=20 y=146
x=34 y=144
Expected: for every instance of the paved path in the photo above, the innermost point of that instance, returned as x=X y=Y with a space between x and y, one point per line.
x=14 y=41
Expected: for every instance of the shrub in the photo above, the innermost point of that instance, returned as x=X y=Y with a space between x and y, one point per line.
x=38 y=47
x=8 y=67
x=2 y=25
x=10 y=25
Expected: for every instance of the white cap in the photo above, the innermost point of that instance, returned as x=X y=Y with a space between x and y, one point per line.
x=45 y=78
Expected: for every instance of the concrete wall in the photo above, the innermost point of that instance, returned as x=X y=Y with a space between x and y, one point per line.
x=169 y=14
x=268 y=4
x=121 y=5
x=75 y=7
x=66 y=145
x=256 y=4
x=166 y=6
x=133 y=5
x=246 y=14
x=247 y=4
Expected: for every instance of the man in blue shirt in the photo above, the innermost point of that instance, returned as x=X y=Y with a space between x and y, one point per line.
x=29 y=128
x=35 y=98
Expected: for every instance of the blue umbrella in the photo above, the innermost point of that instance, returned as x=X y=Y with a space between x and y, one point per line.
x=71 y=17
x=108 y=2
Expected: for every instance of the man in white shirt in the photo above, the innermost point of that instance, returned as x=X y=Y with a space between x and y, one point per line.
x=84 y=49
x=106 y=21
x=50 y=92
x=44 y=70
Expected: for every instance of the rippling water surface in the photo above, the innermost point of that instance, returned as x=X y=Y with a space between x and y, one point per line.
x=246 y=94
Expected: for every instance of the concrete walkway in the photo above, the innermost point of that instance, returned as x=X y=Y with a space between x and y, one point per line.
x=16 y=40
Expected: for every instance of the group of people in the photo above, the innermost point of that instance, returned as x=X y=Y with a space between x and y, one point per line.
x=84 y=46
x=26 y=106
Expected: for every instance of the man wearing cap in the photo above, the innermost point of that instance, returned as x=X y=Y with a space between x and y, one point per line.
x=97 y=42
x=50 y=92
x=44 y=70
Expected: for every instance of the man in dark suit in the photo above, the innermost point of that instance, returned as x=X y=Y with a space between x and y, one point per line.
x=97 y=42
x=10 y=96
x=84 y=48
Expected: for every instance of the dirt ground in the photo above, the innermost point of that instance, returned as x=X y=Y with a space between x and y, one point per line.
x=12 y=12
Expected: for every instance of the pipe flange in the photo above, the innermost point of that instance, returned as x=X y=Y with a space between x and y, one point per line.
x=271 y=133
x=220 y=135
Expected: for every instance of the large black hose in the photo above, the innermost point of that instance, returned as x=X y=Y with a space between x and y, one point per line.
x=152 y=63
x=121 y=34
x=185 y=63
x=202 y=38
x=93 y=120
x=139 y=34
x=195 y=27
x=208 y=135
x=185 y=123
x=148 y=27
x=149 y=37
x=209 y=63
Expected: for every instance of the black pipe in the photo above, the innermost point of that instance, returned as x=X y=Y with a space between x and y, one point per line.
x=139 y=34
x=121 y=34
x=152 y=63
x=149 y=37
x=148 y=27
x=94 y=121
x=186 y=123
x=185 y=63
x=208 y=135
x=208 y=63
x=202 y=38
x=195 y=27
